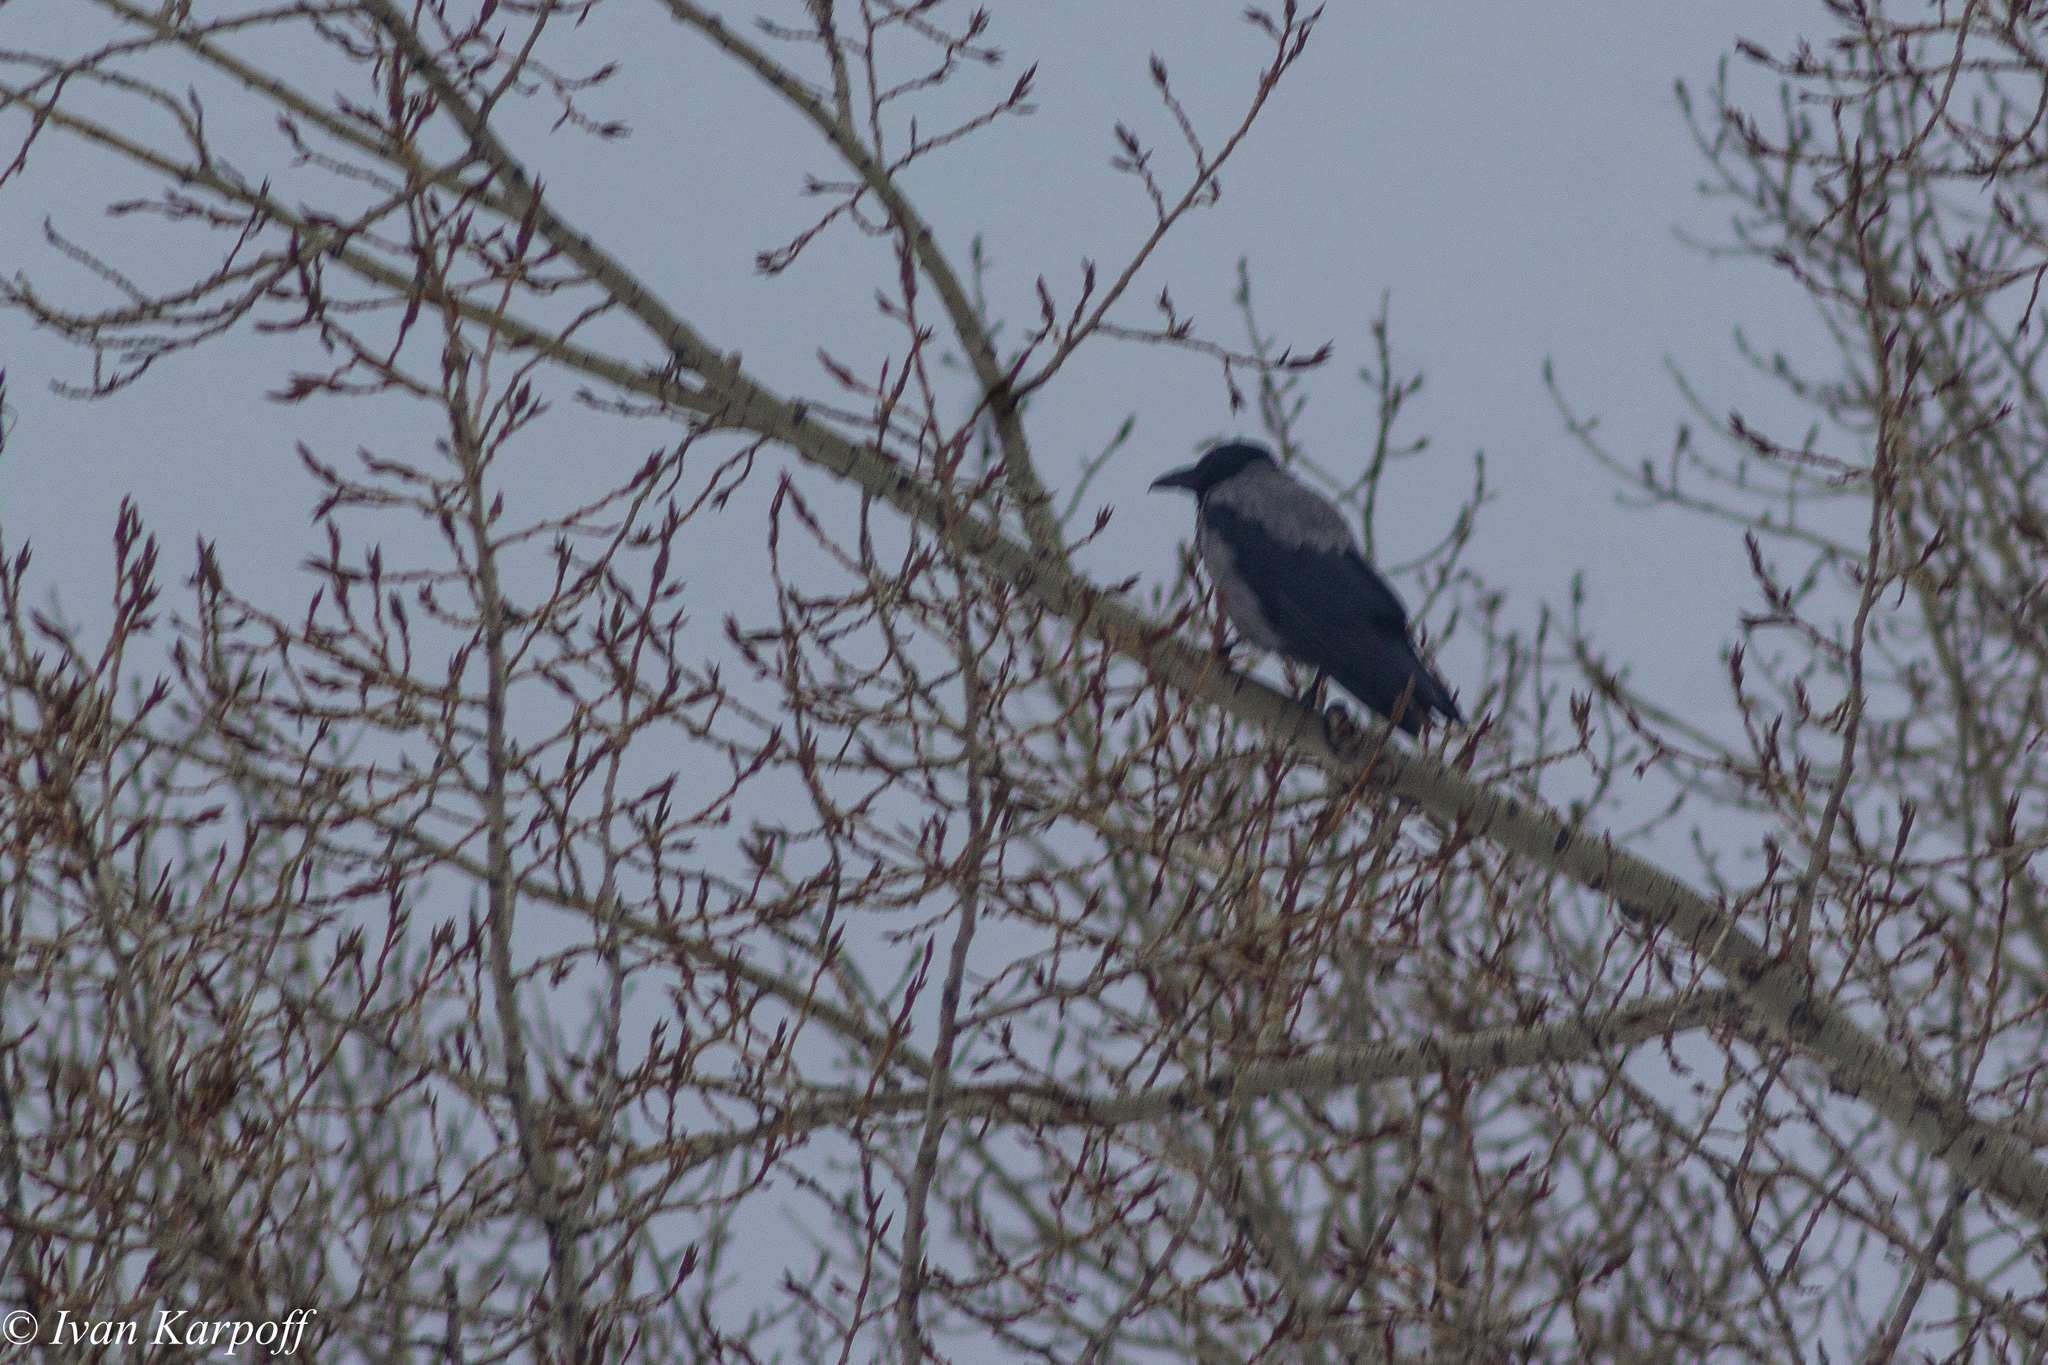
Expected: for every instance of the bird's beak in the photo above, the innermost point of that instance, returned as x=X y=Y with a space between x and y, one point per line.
x=1179 y=478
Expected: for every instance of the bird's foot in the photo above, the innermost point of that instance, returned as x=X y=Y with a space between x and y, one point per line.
x=1319 y=689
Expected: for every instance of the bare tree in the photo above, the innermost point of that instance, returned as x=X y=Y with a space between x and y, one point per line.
x=483 y=950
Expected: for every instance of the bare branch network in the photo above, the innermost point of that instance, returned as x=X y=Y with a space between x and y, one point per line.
x=525 y=946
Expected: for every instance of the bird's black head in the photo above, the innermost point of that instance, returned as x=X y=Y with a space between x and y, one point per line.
x=1220 y=463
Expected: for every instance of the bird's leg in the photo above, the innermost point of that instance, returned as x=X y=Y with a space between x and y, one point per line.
x=1339 y=726
x=1316 y=696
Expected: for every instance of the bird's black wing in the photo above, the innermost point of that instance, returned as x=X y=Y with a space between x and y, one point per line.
x=1332 y=611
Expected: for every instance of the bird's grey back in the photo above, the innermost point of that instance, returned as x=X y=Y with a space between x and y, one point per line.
x=1297 y=517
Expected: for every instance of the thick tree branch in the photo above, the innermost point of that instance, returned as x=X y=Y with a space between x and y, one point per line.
x=1488 y=1052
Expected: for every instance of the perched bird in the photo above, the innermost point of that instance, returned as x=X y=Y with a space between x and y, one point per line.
x=1290 y=576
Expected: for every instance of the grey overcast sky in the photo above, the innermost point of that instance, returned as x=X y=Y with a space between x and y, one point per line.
x=1513 y=177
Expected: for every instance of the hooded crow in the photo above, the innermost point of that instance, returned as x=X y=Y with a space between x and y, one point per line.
x=1291 y=579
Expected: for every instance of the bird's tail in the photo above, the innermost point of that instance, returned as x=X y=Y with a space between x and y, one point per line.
x=1384 y=683
x=1430 y=689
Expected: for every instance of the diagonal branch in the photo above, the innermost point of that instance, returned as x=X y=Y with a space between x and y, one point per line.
x=976 y=340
